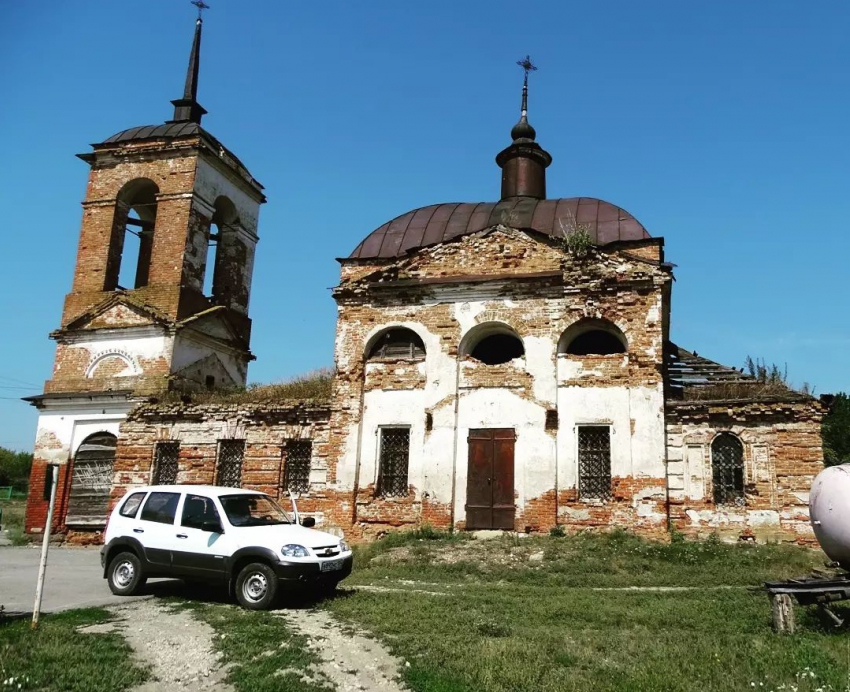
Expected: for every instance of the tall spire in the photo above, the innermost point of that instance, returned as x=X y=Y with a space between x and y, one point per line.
x=523 y=129
x=187 y=109
x=524 y=161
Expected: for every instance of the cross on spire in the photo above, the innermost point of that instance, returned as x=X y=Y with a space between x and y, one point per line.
x=201 y=5
x=527 y=66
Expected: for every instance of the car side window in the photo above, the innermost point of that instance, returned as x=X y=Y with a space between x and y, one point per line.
x=131 y=505
x=198 y=509
x=160 y=507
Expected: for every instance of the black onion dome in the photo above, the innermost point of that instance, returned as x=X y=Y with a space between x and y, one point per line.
x=523 y=130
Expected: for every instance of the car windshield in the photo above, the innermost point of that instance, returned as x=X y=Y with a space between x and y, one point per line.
x=253 y=510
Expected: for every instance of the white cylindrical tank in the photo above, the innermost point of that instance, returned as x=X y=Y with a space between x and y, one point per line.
x=829 y=509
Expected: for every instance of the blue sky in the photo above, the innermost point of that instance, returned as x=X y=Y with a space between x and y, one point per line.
x=722 y=126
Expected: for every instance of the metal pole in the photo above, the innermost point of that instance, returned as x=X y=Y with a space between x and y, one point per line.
x=45 y=544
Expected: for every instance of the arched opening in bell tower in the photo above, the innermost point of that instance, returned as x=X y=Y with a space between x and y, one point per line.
x=222 y=228
x=131 y=244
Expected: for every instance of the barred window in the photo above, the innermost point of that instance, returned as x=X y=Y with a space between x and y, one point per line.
x=229 y=463
x=394 y=455
x=727 y=467
x=594 y=462
x=165 y=463
x=296 y=469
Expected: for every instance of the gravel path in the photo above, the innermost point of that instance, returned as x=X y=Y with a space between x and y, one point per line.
x=352 y=661
x=176 y=647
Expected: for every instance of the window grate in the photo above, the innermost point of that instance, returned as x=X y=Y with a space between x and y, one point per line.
x=395 y=453
x=165 y=463
x=296 y=471
x=230 y=456
x=727 y=466
x=594 y=462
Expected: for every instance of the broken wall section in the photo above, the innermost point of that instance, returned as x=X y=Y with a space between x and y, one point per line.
x=782 y=453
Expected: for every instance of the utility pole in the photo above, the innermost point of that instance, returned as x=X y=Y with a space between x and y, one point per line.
x=45 y=544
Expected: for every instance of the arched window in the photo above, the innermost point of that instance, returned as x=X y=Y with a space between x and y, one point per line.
x=225 y=219
x=593 y=337
x=398 y=344
x=727 y=470
x=131 y=243
x=91 y=480
x=493 y=344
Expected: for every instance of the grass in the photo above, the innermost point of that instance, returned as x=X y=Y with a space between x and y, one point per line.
x=507 y=622
x=615 y=559
x=264 y=654
x=13 y=520
x=314 y=386
x=57 y=657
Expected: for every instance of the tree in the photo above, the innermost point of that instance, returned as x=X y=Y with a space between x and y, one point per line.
x=15 y=468
x=836 y=431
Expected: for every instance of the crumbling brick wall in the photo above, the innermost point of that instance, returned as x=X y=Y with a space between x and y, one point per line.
x=782 y=454
x=265 y=429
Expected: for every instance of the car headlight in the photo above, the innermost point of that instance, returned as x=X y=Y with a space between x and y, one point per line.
x=344 y=547
x=294 y=550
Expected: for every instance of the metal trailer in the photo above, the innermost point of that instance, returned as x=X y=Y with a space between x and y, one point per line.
x=816 y=589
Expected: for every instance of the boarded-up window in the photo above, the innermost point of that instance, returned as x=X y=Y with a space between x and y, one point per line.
x=91 y=480
x=296 y=470
x=165 y=463
x=229 y=463
x=727 y=470
x=594 y=462
x=399 y=344
x=394 y=457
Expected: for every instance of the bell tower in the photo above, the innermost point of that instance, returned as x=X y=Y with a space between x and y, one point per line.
x=160 y=294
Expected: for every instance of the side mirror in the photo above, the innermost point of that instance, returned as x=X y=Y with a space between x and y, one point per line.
x=308 y=522
x=212 y=526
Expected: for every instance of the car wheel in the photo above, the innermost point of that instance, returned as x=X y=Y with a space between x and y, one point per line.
x=125 y=575
x=256 y=586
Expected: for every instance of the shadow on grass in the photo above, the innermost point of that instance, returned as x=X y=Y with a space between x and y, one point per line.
x=197 y=592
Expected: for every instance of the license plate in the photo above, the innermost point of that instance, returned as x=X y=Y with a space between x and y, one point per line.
x=330 y=565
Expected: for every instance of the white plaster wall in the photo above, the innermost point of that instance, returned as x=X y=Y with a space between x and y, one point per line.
x=534 y=450
x=638 y=453
x=71 y=423
x=381 y=406
x=132 y=344
x=188 y=350
x=211 y=183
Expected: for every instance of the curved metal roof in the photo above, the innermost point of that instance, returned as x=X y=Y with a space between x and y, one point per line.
x=163 y=131
x=438 y=223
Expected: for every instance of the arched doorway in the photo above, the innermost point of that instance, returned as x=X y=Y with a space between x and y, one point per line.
x=91 y=481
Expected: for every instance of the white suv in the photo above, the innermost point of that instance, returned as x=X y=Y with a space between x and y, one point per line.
x=214 y=534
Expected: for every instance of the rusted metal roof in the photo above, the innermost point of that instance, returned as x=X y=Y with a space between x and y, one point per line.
x=438 y=223
x=163 y=131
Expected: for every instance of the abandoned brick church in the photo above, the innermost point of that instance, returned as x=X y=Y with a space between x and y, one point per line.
x=498 y=365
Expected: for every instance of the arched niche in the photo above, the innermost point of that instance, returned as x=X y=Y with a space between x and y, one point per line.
x=595 y=337
x=492 y=343
x=396 y=343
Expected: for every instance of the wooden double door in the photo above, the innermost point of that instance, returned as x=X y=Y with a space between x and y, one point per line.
x=490 y=479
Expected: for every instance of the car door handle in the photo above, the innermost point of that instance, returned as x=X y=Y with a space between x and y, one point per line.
x=138 y=530
x=182 y=535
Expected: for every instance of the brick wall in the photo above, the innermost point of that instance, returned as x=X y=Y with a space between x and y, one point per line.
x=782 y=454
